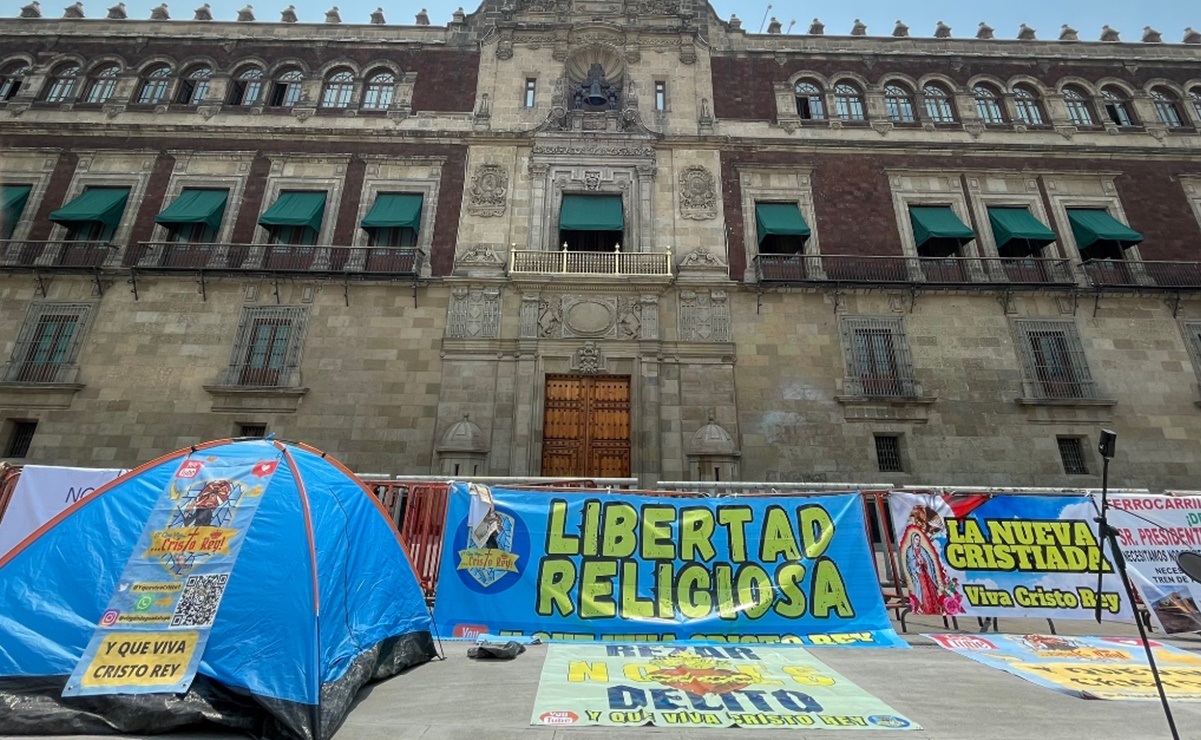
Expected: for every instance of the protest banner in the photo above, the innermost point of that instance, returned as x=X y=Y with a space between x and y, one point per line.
x=1088 y=667
x=42 y=492
x=1152 y=531
x=575 y=566
x=697 y=686
x=1004 y=556
x=152 y=634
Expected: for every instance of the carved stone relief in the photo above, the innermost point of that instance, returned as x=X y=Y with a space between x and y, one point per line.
x=474 y=313
x=698 y=196
x=589 y=317
x=489 y=192
x=704 y=316
x=588 y=359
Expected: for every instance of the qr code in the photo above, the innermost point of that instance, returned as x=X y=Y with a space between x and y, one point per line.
x=197 y=605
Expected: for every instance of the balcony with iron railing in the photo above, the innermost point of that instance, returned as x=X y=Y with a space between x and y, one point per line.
x=933 y=271
x=568 y=262
x=1143 y=274
x=364 y=261
x=58 y=255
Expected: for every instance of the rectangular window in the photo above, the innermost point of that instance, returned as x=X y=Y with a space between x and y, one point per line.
x=1071 y=453
x=267 y=351
x=1054 y=361
x=660 y=95
x=877 y=356
x=888 y=453
x=531 y=86
x=1192 y=340
x=252 y=430
x=20 y=439
x=48 y=344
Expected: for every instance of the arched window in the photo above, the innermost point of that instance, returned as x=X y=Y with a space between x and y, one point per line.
x=1079 y=111
x=938 y=104
x=377 y=95
x=285 y=88
x=1029 y=112
x=809 y=103
x=899 y=102
x=1195 y=96
x=339 y=86
x=1117 y=106
x=988 y=104
x=848 y=102
x=61 y=86
x=11 y=79
x=1166 y=108
x=194 y=87
x=155 y=83
x=102 y=81
x=247 y=87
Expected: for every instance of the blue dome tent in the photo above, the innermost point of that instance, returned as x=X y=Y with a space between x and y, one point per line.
x=319 y=601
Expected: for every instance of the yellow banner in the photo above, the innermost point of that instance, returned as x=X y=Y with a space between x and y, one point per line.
x=208 y=540
x=141 y=659
x=1123 y=681
x=491 y=559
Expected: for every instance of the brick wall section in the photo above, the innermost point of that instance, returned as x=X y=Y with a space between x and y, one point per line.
x=153 y=201
x=348 y=210
x=56 y=191
x=252 y=200
x=743 y=86
x=855 y=214
x=450 y=200
x=446 y=78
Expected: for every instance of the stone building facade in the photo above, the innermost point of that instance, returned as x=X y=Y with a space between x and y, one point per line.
x=602 y=238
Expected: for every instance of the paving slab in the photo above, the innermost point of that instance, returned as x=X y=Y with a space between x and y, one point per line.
x=952 y=697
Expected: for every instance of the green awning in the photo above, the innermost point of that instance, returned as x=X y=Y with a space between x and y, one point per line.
x=1091 y=225
x=1018 y=223
x=592 y=213
x=394 y=211
x=296 y=209
x=938 y=222
x=12 y=203
x=95 y=204
x=780 y=218
x=196 y=207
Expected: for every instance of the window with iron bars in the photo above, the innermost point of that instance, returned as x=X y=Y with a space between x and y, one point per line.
x=48 y=344
x=1053 y=361
x=267 y=350
x=877 y=357
x=1192 y=339
x=252 y=430
x=888 y=453
x=1071 y=453
x=21 y=438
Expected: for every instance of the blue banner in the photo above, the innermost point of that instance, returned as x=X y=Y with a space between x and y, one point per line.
x=152 y=635
x=582 y=566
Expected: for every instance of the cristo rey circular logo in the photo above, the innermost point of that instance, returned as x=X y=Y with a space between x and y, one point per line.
x=490 y=558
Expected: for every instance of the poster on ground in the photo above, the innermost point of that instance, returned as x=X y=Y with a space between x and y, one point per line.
x=1152 y=531
x=152 y=634
x=42 y=492
x=615 y=567
x=624 y=685
x=1004 y=556
x=1088 y=667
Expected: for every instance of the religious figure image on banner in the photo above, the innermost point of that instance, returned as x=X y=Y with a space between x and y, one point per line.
x=931 y=591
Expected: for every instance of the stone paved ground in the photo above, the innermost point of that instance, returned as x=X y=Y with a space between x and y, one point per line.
x=952 y=697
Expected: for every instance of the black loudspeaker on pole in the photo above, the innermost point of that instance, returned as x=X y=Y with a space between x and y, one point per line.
x=1106 y=447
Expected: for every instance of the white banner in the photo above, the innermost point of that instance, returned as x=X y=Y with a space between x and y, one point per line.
x=41 y=493
x=1152 y=531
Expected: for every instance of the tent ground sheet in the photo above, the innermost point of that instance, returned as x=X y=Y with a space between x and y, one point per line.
x=1088 y=667
x=629 y=684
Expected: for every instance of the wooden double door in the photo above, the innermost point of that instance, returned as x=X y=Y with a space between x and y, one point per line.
x=586 y=426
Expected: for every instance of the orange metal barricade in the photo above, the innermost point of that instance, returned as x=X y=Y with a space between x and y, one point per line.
x=421 y=510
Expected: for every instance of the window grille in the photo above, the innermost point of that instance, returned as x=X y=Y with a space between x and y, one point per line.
x=888 y=453
x=378 y=94
x=1071 y=452
x=1028 y=110
x=1192 y=339
x=848 y=102
x=338 y=89
x=899 y=102
x=194 y=87
x=154 y=86
x=62 y=84
x=247 y=88
x=1078 y=109
x=1165 y=108
x=1053 y=360
x=103 y=82
x=267 y=350
x=988 y=104
x=21 y=438
x=48 y=344
x=252 y=430
x=1117 y=107
x=877 y=357
x=809 y=103
x=938 y=104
